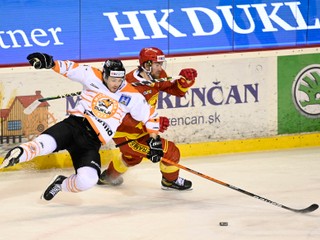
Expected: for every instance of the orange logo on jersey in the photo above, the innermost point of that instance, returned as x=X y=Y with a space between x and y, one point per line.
x=104 y=106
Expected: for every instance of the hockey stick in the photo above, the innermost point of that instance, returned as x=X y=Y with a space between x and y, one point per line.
x=59 y=96
x=149 y=82
x=28 y=110
x=311 y=208
x=124 y=143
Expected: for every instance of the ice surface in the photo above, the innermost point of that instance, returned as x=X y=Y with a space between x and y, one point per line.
x=139 y=209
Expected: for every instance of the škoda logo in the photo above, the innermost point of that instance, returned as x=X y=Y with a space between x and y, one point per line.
x=306 y=91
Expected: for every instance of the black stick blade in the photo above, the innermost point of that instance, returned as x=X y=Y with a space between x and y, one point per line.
x=311 y=208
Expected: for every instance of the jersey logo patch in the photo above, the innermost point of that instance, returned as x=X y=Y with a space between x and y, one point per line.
x=125 y=100
x=104 y=106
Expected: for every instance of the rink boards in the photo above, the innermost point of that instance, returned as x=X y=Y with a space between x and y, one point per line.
x=240 y=102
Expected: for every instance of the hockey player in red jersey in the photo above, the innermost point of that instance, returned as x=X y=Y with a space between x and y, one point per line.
x=105 y=100
x=131 y=136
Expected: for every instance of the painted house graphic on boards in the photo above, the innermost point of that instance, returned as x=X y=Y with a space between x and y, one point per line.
x=15 y=124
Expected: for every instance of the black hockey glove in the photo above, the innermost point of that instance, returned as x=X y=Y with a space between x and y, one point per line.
x=155 y=153
x=41 y=60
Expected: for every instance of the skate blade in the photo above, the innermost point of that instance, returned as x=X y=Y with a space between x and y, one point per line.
x=175 y=190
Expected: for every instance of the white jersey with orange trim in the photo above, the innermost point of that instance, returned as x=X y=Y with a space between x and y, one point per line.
x=103 y=109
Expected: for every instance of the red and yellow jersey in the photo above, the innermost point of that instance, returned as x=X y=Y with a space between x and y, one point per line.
x=132 y=129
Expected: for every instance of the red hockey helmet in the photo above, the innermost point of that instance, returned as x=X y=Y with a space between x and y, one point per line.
x=151 y=54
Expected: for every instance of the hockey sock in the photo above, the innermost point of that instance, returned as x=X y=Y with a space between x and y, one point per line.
x=41 y=145
x=169 y=172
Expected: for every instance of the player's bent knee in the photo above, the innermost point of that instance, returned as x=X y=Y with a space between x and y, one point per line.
x=173 y=152
x=87 y=177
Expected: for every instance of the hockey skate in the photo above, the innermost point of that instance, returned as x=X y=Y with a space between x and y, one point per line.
x=53 y=188
x=179 y=184
x=105 y=179
x=12 y=157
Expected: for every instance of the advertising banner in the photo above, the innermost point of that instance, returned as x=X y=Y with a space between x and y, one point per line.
x=231 y=99
x=298 y=93
x=88 y=30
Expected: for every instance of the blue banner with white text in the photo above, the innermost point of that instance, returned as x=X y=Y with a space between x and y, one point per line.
x=87 y=30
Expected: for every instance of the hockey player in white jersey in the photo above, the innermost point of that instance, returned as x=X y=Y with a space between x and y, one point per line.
x=105 y=99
